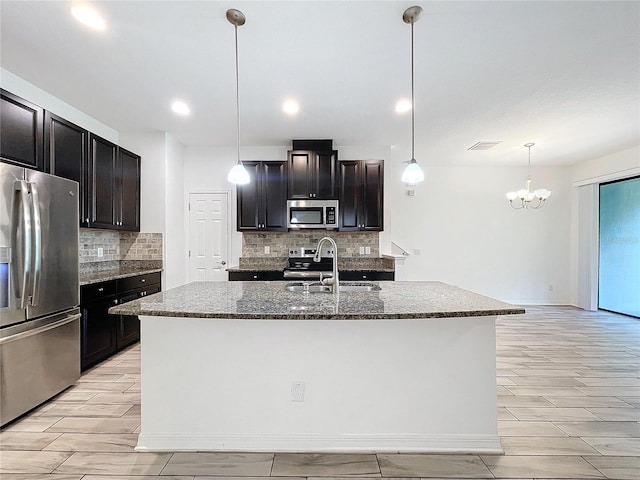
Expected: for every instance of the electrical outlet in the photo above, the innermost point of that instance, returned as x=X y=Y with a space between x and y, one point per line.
x=361 y=250
x=551 y=288
x=417 y=251
x=100 y=251
x=367 y=250
x=267 y=249
x=297 y=391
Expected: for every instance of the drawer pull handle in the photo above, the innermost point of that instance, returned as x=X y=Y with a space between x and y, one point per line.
x=101 y=289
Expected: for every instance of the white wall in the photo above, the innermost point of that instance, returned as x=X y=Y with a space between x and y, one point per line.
x=467 y=234
x=33 y=94
x=175 y=208
x=162 y=203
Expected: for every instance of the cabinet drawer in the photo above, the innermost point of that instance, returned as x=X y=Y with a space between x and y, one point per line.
x=270 y=275
x=354 y=275
x=138 y=281
x=96 y=291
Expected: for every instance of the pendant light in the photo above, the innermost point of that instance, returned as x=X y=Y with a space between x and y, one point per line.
x=528 y=199
x=413 y=174
x=238 y=173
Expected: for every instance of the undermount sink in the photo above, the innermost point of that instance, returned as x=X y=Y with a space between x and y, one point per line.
x=318 y=288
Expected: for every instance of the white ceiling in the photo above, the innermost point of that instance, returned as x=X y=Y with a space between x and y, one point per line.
x=565 y=75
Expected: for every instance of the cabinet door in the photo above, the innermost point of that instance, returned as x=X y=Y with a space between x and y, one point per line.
x=21 y=132
x=274 y=196
x=372 y=205
x=349 y=195
x=325 y=172
x=97 y=332
x=248 y=200
x=300 y=174
x=66 y=153
x=128 y=326
x=128 y=198
x=102 y=183
x=262 y=203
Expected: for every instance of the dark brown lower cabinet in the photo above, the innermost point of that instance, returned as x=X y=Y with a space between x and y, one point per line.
x=102 y=334
x=97 y=332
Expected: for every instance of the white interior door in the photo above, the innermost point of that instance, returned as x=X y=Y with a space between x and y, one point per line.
x=208 y=236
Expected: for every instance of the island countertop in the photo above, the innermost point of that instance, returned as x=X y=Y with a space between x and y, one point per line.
x=270 y=300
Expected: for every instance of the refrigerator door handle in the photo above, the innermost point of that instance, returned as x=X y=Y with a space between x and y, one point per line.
x=21 y=229
x=37 y=245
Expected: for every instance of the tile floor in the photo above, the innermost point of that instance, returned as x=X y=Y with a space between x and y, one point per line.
x=569 y=407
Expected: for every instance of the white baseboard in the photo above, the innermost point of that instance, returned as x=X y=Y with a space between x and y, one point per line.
x=416 y=443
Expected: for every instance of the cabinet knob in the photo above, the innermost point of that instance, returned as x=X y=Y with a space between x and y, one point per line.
x=115 y=302
x=255 y=276
x=101 y=289
x=143 y=280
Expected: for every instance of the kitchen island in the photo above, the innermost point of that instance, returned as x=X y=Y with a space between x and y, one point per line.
x=252 y=366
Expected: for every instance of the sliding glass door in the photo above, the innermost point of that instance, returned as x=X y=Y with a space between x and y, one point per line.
x=619 y=275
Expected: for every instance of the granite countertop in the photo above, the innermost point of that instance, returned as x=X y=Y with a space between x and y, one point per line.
x=270 y=300
x=96 y=273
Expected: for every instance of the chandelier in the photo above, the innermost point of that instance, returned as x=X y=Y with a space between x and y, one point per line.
x=528 y=199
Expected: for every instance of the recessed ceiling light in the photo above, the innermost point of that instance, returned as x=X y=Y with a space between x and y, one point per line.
x=290 y=107
x=89 y=16
x=180 y=108
x=403 y=106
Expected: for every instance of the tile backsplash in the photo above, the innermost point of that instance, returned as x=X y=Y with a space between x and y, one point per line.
x=349 y=243
x=118 y=246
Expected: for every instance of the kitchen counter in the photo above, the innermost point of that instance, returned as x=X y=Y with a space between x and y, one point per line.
x=270 y=300
x=104 y=271
x=410 y=368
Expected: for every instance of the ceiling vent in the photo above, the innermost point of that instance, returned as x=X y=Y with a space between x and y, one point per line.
x=483 y=145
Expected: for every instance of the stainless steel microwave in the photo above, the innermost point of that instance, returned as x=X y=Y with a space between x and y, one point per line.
x=322 y=214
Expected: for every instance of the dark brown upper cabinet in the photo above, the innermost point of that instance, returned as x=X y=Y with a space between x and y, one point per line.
x=262 y=203
x=361 y=195
x=21 y=132
x=313 y=174
x=66 y=153
x=128 y=191
x=114 y=186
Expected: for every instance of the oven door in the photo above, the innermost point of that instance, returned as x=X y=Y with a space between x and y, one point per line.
x=305 y=217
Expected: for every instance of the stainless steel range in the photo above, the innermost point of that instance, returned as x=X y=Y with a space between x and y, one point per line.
x=301 y=264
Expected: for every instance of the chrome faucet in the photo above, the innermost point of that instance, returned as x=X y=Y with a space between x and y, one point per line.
x=333 y=281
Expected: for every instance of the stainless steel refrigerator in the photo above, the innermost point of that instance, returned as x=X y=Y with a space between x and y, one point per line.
x=39 y=289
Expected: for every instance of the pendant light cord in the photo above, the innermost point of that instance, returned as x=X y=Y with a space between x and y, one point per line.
x=413 y=102
x=237 y=99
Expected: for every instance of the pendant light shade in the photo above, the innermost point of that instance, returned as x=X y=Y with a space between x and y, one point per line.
x=238 y=173
x=412 y=174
